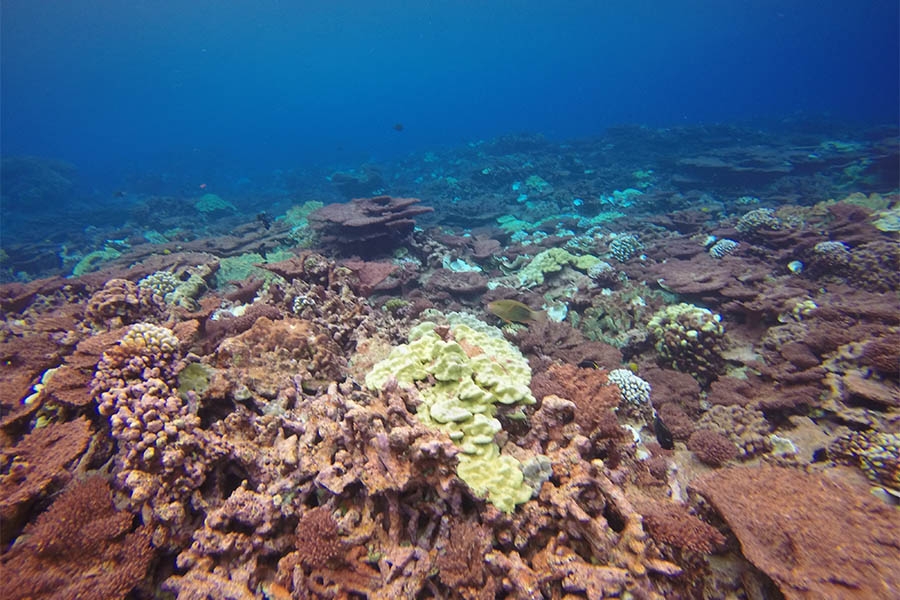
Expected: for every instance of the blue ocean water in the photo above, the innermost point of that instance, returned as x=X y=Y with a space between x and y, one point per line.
x=242 y=87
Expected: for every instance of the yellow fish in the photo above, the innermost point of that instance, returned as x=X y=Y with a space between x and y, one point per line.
x=513 y=311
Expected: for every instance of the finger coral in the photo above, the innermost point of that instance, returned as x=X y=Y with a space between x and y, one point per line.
x=163 y=454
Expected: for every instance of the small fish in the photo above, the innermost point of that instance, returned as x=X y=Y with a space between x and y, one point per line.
x=513 y=311
x=202 y=186
x=398 y=127
x=663 y=435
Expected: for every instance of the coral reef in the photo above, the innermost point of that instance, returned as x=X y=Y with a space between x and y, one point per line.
x=275 y=424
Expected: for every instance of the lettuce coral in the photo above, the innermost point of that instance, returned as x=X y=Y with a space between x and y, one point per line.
x=461 y=375
x=553 y=260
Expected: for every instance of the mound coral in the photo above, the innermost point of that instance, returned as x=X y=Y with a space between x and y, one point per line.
x=689 y=339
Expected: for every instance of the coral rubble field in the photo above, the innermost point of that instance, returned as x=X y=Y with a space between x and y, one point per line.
x=659 y=364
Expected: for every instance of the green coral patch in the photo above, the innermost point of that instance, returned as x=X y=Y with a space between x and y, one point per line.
x=461 y=378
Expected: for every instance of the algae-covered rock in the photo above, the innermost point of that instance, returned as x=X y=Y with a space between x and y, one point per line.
x=461 y=378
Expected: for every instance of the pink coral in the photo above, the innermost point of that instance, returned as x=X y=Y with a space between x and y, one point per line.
x=163 y=455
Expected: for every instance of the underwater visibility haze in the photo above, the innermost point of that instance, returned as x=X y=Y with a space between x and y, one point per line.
x=449 y=299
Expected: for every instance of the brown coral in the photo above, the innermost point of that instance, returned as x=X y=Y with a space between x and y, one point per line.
x=461 y=565
x=746 y=428
x=271 y=355
x=594 y=398
x=367 y=225
x=815 y=536
x=318 y=544
x=712 y=447
x=117 y=304
x=546 y=341
x=80 y=548
x=673 y=524
x=36 y=464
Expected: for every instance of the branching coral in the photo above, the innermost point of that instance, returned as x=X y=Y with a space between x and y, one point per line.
x=163 y=454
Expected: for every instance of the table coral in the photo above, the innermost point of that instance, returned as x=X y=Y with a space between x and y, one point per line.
x=35 y=465
x=367 y=224
x=82 y=533
x=818 y=537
